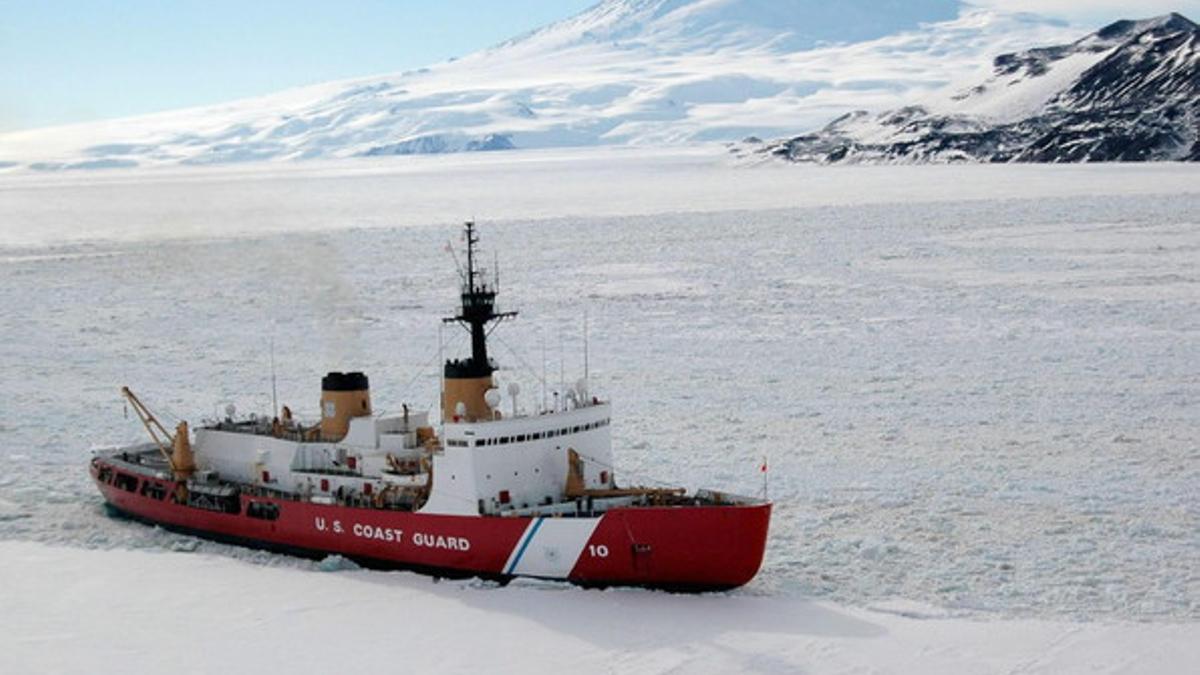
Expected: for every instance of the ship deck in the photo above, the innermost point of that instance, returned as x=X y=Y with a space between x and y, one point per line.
x=261 y=426
x=147 y=462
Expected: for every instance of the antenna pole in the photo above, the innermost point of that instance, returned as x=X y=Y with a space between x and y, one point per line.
x=274 y=396
x=470 y=256
x=585 y=345
x=543 y=339
x=441 y=360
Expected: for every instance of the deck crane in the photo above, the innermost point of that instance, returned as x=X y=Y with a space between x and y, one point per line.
x=176 y=449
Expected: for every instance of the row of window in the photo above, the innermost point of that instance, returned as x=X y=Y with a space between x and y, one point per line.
x=521 y=438
x=224 y=504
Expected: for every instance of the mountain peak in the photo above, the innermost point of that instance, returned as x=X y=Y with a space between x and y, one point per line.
x=1173 y=22
x=1128 y=92
x=641 y=72
x=778 y=25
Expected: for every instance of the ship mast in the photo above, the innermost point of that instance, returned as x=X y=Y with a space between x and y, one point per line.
x=468 y=379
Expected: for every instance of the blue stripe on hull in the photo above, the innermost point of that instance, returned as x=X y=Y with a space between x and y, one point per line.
x=524 y=545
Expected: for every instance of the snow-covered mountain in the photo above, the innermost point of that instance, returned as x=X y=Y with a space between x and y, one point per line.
x=623 y=72
x=1129 y=92
x=714 y=25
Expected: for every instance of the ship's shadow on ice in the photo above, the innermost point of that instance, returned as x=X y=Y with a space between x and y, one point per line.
x=619 y=617
x=613 y=618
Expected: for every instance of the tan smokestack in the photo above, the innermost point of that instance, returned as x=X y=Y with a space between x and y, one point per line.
x=343 y=397
x=470 y=392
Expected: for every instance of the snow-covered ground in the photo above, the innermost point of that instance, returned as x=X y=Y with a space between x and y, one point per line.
x=66 y=610
x=978 y=389
x=49 y=210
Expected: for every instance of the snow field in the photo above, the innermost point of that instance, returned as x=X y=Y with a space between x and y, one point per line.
x=138 y=611
x=976 y=386
x=47 y=211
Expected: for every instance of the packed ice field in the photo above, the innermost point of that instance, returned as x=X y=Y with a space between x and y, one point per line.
x=976 y=388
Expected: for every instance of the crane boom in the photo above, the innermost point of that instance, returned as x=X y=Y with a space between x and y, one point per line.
x=153 y=426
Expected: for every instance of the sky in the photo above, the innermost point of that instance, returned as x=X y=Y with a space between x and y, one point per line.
x=64 y=61
x=1093 y=12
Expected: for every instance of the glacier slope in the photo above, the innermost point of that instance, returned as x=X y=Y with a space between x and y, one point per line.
x=621 y=73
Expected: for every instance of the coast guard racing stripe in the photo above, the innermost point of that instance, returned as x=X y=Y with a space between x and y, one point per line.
x=550 y=547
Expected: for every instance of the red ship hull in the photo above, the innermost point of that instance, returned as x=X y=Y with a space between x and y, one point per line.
x=675 y=547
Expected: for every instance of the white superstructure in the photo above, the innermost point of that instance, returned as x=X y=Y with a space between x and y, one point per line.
x=475 y=468
x=519 y=463
x=482 y=463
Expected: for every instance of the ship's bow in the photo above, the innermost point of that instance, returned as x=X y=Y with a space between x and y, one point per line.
x=686 y=548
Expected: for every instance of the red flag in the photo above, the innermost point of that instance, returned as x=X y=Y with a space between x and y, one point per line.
x=763 y=468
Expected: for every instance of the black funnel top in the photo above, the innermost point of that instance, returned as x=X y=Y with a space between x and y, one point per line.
x=355 y=381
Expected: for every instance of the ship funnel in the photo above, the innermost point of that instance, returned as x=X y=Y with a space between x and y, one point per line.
x=343 y=396
x=464 y=399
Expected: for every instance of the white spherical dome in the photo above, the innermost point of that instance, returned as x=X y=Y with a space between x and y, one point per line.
x=492 y=398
